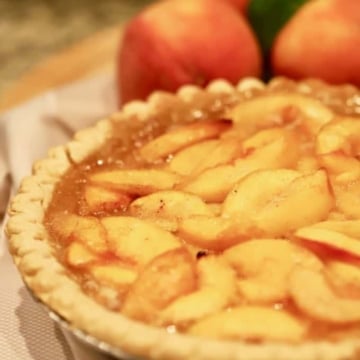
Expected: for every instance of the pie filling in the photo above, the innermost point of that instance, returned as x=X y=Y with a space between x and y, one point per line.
x=231 y=216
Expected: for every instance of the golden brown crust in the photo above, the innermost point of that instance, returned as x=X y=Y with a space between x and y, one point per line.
x=48 y=279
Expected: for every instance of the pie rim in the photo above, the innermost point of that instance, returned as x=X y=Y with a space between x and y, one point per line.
x=46 y=277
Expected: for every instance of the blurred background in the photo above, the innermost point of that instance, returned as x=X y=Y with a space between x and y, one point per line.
x=31 y=30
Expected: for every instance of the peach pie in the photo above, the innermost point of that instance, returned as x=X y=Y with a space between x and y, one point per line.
x=212 y=224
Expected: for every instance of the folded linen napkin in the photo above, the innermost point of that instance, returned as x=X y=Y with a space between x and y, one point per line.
x=26 y=134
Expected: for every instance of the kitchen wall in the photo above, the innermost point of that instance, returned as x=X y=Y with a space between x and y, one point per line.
x=30 y=30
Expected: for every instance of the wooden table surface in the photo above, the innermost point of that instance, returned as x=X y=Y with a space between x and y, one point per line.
x=90 y=56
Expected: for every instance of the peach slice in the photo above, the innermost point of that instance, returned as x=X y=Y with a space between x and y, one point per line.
x=261 y=112
x=182 y=137
x=98 y=199
x=262 y=138
x=267 y=199
x=91 y=233
x=213 y=233
x=336 y=216
x=139 y=182
x=343 y=134
x=256 y=190
x=187 y=160
x=78 y=255
x=338 y=145
x=278 y=217
x=314 y=296
x=217 y=288
x=115 y=275
x=216 y=208
x=226 y=151
x=339 y=235
x=63 y=224
x=136 y=240
x=253 y=323
x=347 y=195
x=349 y=227
x=87 y=230
x=340 y=165
x=308 y=164
x=264 y=265
x=167 y=277
x=214 y=184
x=344 y=277
x=169 y=205
x=279 y=146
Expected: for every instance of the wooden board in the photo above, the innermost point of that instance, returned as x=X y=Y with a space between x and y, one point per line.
x=90 y=56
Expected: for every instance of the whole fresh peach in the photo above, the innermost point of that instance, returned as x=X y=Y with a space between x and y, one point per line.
x=239 y=5
x=178 y=42
x=321 y=40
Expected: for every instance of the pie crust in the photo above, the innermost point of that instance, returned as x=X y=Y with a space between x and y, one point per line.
x=47 y=278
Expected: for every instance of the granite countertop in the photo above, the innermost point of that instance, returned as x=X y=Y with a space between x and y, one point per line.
x=33 y=29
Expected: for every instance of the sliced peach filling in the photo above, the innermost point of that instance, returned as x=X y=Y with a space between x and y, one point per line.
x=241 y=230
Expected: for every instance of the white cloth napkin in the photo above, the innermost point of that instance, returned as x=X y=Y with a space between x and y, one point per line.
x=26 y=133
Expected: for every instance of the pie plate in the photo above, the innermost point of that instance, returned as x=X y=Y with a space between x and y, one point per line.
x=102 y=330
